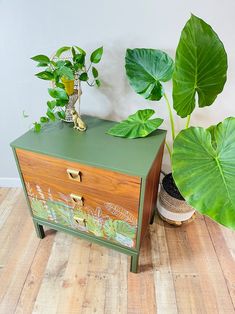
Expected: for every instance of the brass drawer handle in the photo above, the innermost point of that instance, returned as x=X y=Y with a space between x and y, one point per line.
x=74 y=174
x=77 y=199
x=80 y=220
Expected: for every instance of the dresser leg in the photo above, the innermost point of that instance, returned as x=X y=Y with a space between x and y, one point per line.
x=152 y=217
x=39 y=230
x=134 y=263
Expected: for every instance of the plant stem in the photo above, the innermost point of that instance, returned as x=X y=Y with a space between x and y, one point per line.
x=188 y=121
x=79 y=98
x=171 y=117
x=168 y=148
x=90 y=84
x=88 y=68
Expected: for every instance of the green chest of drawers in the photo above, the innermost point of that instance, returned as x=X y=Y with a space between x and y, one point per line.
x=89 y=184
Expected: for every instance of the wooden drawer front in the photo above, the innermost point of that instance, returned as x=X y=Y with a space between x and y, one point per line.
x=93 y=180
x=40 y=188
x=99 y=218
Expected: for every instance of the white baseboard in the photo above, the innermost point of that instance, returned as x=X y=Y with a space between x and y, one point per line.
x=10 y=182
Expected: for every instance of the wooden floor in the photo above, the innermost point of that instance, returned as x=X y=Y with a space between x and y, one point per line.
x=182 y=270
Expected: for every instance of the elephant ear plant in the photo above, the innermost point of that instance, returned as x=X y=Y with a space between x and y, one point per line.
x=203 y=160
x=63 y=72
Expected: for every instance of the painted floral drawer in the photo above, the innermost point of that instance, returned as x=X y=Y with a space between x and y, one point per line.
x=106 y=220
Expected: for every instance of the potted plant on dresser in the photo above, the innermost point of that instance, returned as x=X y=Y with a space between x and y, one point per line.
x=202 y=159
x=66 y=69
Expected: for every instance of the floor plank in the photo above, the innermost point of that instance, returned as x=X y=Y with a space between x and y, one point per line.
x=182 y=270
x=116 y=283
x=141 y=290
x=35 y=275
x=186 y=280
x=7 y=204
x=223 y=251
x=11 y=228
x=215 y=295
x=15 y=271
x=163 y=278
x=49 y=292
x=3 y=193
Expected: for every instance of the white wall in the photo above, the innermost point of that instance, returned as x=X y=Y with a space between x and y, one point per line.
x=31 y=27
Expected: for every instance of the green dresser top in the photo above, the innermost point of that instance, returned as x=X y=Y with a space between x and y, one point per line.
x=94 y=147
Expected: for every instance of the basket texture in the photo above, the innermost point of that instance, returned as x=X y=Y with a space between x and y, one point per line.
x=173 y=210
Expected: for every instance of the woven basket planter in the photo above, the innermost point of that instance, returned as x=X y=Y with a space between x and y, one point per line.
x=173 y=210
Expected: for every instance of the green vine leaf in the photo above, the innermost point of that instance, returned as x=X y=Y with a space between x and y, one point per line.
x=50 y=115
x=58 y=93
x=95 y=72
x=80 y=50
x=97 y=82
x=96 y=55
x=61 y=102
x=83 y=77
x=37 y=127
x=44 y=120
x=136 y=125
x=42 y=64
x=61 y=50
x=66 y=72
x=73 y=52
x=45 y=75
x=51 y=104
x=41 y=59
x=61 y=115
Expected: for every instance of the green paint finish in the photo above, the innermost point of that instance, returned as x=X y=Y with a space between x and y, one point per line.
x=39 y=230
x=141 y=209
x=118 y=231
x=134 y=263
x=94 y=147
x=22 y=181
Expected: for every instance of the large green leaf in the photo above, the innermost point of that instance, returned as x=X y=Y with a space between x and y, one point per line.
x=145 y=69
x=136 y=125
x=203 y=163
x=200 y=67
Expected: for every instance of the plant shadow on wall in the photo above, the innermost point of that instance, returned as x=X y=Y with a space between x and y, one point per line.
x=202 y=160
x=67 y=69
x=114 y=90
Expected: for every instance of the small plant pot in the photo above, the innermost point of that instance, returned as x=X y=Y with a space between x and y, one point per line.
x=68 y=85
x=171 y=206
